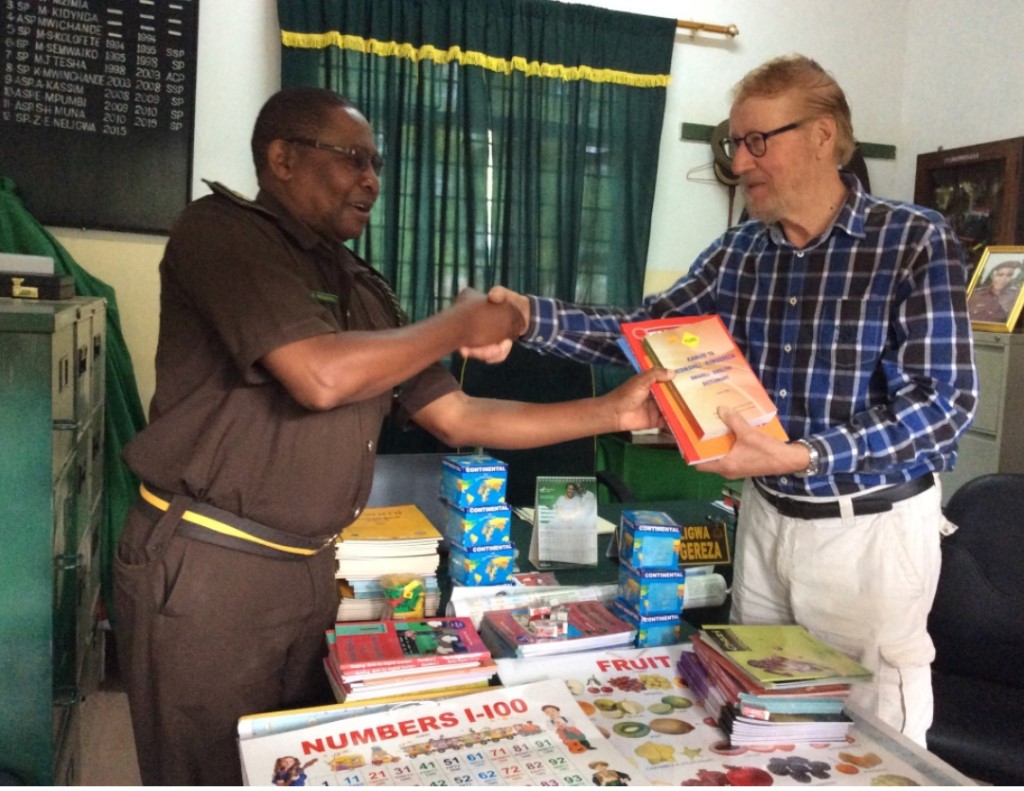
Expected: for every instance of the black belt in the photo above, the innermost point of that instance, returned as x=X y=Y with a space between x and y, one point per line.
x=216 y=526
x=877 y=502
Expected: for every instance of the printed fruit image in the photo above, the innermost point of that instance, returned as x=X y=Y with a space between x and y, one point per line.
x=655 y=753
x=605 y=704
x=575 y=686
x=631 y=730
x=630 y=706
x=587 y=707
x=677 y=702
x=747 y=776
x=892 y=780
x=707 y=777
x=660 y=708
x=866 y=761
x=670 y=725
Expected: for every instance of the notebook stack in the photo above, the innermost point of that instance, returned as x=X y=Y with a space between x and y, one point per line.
x=557 y=629
x=392 y=540
x=371 y=660
x=771 y=684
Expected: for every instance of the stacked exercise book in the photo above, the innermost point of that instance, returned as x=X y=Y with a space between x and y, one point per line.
x=392 y=540
x=403 y=659
x=554 y=629
x=771 y=684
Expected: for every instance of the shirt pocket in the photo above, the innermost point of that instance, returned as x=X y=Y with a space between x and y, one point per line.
x=850 y=333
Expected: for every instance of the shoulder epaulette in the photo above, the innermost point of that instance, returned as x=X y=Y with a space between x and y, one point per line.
x=237 y=198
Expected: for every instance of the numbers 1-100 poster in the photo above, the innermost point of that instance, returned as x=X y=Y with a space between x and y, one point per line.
x=531 y=734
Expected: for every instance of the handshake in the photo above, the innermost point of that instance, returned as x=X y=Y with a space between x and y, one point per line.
x=493 y=322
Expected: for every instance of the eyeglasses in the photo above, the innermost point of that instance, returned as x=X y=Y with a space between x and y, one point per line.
x=756 y=142
x=358 y=158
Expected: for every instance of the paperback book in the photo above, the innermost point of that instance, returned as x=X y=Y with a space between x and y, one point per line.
x=557 y=629
x=710 y=372
x=366 y=648
x=783 y=656
x=400 y=685
x=388 y=540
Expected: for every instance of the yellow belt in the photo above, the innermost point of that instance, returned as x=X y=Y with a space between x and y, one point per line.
x=251 y=532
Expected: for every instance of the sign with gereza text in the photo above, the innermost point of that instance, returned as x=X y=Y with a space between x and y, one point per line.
x=700 y=544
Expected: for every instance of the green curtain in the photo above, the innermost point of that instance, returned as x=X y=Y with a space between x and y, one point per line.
x=520 y=137
x=20 y=232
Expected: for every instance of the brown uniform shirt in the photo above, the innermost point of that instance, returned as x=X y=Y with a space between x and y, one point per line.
x=237 y=280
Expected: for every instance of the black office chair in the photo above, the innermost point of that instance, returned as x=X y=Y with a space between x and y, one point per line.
x=526 y=375
x=977 y=623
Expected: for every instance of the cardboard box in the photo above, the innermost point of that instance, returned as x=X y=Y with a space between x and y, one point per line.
x=473 y=481
x=483 y=565
x=28 y=264
x=26 y=285
x=484 y=526
x=651 y=630
x=649 y=540
x=652 y=591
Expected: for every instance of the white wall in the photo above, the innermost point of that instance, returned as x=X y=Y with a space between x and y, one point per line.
x=919 y=74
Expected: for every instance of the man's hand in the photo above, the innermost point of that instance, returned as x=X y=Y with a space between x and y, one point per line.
x=635 y=407
x=488 y=324
x=497 y=352
x=755 y=453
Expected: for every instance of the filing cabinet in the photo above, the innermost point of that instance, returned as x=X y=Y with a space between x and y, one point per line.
x=52 y=371
x=995 y=440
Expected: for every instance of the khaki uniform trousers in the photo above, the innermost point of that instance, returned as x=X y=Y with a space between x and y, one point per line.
x=207 y=634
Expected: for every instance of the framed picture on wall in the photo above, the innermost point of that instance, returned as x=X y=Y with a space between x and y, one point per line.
x=978 y=189
x=995 y=294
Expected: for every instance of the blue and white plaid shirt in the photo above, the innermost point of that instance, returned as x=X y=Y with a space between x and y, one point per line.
x=862 y=338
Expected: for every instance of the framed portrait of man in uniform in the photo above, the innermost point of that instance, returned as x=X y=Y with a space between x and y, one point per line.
x=995 y=294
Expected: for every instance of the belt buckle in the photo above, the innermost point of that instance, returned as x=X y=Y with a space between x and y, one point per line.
x=330 y=541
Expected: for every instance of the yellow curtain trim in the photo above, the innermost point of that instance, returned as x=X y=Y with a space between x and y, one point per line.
x=429 y=52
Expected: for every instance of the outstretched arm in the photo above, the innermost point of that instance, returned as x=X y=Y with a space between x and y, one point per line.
x=328 y=370
x=459 y=419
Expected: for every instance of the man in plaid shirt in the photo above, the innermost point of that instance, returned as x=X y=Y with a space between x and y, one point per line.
x=852 y=310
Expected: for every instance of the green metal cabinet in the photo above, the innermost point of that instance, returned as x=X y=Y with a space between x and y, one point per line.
x=51 y=499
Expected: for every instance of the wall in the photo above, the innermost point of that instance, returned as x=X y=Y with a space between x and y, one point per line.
x=919 y=74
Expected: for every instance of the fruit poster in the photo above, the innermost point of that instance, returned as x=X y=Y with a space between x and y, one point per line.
x=636 y=699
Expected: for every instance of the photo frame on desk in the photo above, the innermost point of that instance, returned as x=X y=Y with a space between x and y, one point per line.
x=564 y=522
x=995 y=294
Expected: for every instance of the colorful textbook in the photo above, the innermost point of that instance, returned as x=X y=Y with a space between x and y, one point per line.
x=710 y=372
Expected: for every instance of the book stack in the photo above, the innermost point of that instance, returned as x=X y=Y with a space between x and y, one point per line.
x=556 y=629
x=393 y=540
x=364 y=600
x=396 y=660
x=771 y=684
x=479 y=520
x=651 y=584
x=710 y=372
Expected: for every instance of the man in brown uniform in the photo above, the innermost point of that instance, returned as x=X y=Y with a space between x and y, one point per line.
x=279 y=355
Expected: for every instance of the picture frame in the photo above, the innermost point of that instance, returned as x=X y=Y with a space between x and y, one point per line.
x=979 y=189
x=995 y=294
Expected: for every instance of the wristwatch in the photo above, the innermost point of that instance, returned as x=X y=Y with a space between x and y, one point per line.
x=814 y=463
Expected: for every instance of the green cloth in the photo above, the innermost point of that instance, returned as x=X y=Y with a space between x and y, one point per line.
x=21 y=233
x=521 y=138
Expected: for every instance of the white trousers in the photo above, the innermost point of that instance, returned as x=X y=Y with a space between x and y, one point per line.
x=863 y=584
